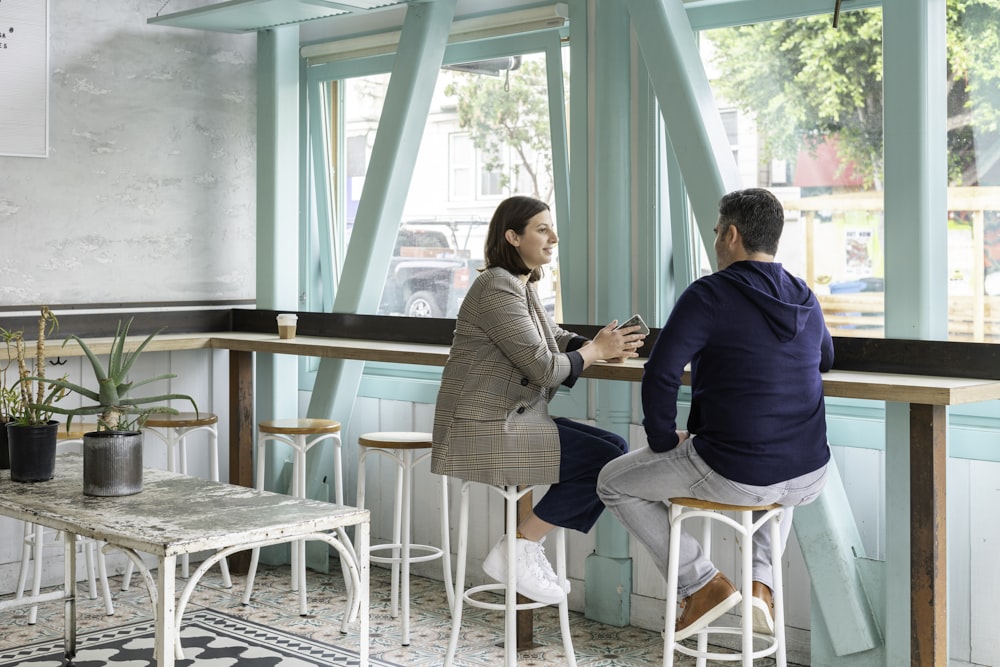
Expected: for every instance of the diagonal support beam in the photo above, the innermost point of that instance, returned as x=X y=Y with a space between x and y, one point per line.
x=394 y=155
x=692 y=119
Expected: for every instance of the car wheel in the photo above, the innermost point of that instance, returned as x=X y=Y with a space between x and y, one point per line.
x=422 y=304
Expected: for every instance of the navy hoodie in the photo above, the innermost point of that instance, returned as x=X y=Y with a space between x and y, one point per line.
x=757 y=343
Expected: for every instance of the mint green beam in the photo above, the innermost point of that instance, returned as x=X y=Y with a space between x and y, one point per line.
x=394 y=155
x=608 y=571
x=693 y=123
x=914 y=82
x=277 y=284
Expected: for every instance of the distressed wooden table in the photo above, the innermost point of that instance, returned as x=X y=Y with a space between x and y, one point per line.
x=174 y=515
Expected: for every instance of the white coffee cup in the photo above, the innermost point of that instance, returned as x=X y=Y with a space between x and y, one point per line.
x=286 y=325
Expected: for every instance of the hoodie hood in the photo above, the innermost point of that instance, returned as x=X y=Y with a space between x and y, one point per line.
x=785 y=301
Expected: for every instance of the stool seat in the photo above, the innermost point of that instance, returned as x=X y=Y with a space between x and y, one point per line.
x=396 y=440
x=299 y=426
x=182 y=419
x=698 y=504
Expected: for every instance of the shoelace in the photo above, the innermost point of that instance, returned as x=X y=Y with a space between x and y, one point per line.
x=534 y=562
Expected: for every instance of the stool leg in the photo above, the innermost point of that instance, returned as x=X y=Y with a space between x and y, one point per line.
x=706 y=547
x=463 y=549
x=102 y=571
x=213 y=464
x=778 y=592
x=338 y=494
x=746 y=576
x=255 y=552
x=446 y=544
x=564 y=605
x=31 y=549
x=299 y=547
x=510 y=594
x=406 y=471
x=670 y=616
x=177 y=448
x=397 y=536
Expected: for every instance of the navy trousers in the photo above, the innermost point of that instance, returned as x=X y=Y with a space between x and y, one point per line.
x=584 y=450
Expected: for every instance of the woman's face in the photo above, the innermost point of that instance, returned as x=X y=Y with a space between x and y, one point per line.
x=535 y=245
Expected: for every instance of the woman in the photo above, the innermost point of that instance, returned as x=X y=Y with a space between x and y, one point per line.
x=491 y=423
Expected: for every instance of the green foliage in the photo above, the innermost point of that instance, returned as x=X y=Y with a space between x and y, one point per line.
x=805 y=82
x=509 y=114
x=116 y=409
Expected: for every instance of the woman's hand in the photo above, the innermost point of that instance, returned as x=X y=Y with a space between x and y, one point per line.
x=617 y=345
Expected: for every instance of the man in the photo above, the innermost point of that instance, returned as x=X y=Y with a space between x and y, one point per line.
x=756 y=433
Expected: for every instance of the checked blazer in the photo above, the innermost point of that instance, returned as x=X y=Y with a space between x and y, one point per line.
x=491 y=422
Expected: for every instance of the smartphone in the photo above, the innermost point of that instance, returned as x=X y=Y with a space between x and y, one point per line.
x=633 y=321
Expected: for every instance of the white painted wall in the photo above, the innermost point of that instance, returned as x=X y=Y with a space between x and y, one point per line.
x=148 y=193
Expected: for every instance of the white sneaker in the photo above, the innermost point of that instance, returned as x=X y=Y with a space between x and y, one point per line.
x=495 y=565
x=532 y=581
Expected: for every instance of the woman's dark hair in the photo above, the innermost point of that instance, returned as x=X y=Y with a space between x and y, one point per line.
x=512 y=213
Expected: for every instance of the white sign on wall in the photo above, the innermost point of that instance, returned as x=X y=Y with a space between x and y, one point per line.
x=24 y=78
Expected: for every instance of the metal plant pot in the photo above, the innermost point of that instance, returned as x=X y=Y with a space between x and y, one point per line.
x=112 y=463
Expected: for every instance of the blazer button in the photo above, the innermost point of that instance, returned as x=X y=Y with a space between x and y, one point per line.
x=520 y=410
x=524 y=382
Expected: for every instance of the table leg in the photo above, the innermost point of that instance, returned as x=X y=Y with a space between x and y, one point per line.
x=166 y=625
x=928 y=535
x=69 y=583
x=241 y=435
x=363 y=538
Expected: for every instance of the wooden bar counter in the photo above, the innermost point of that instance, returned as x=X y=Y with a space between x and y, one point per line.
x=928 y=397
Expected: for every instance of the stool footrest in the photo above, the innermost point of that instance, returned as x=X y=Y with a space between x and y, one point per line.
x=496 y=588
x=433 y=553
x=728 y=657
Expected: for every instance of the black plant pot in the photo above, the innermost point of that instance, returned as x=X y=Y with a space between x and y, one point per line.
x=32 y=451
x=4 y=448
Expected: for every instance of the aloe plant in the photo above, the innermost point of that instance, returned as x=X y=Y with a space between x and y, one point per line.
x=117 y=410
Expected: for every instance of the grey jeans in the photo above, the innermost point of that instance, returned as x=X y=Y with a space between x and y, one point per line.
x=636 y=486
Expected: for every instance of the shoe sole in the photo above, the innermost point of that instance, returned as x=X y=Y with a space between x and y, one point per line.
x=762 y=621
x=709 y=616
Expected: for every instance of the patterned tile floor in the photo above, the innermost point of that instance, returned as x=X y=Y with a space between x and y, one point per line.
x=595 y=644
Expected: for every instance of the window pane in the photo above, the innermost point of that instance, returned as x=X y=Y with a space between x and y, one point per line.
x=973 y=70
x=487 y=137
x=810 y=130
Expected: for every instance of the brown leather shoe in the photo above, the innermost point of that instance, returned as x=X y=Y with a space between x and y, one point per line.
x=705 y=605
x=763 y=609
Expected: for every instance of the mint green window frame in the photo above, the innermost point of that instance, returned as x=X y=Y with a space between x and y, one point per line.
x=323 y=239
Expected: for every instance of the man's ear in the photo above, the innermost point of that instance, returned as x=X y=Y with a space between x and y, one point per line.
x=732 y=236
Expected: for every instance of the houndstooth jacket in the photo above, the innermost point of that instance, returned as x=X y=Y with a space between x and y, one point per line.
x=491 y=422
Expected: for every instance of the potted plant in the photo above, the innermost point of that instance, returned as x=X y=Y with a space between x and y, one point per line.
x=28 y=405
x=112 y=455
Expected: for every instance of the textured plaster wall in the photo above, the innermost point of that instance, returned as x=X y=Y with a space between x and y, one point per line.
x=148 y=192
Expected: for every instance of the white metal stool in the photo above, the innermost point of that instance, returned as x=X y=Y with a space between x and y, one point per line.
x=402 y=448
x=34 y=544
x=302 y=435
x=682 y=509
x=510 y=606
x=173 y=431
